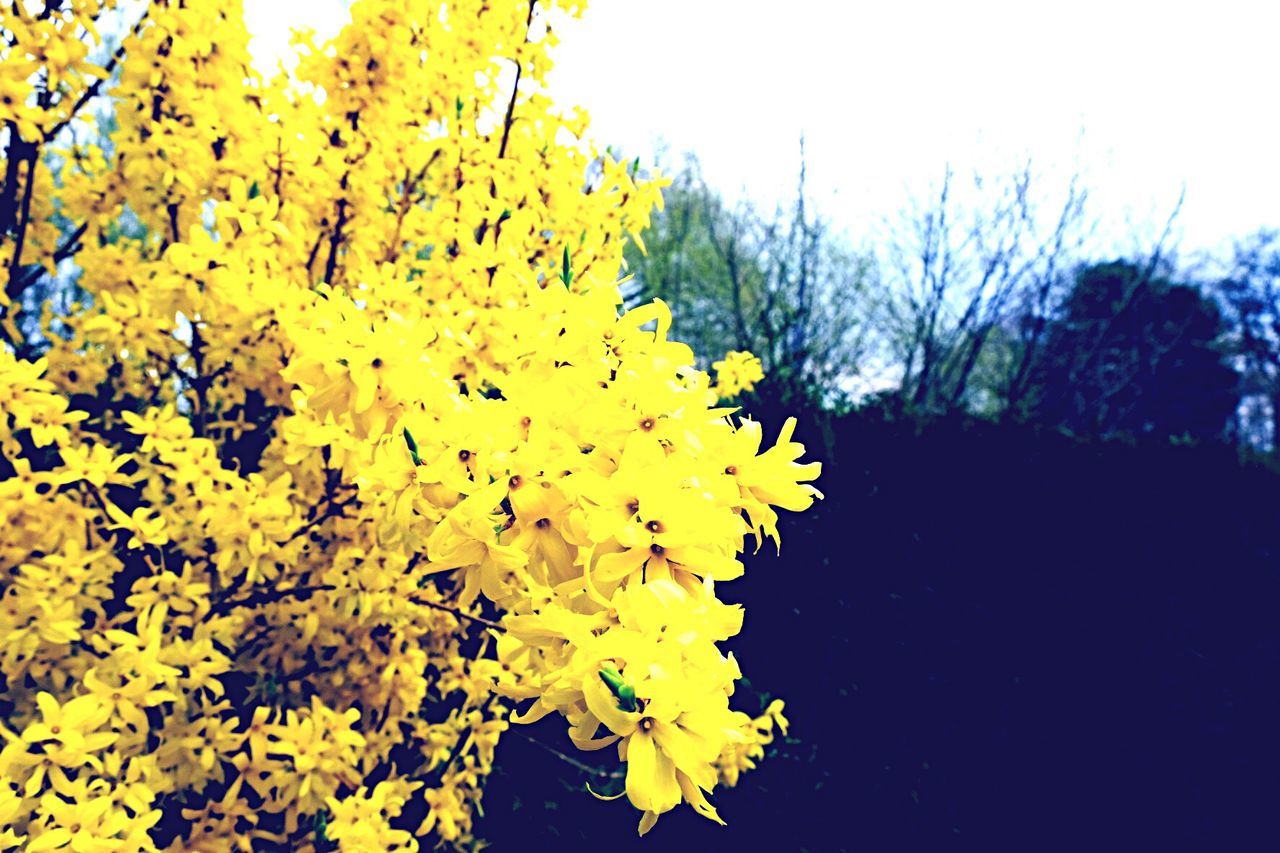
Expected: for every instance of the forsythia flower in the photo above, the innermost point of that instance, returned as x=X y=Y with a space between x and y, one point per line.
x=331 y=453
x=736 y=374
x=361 y=820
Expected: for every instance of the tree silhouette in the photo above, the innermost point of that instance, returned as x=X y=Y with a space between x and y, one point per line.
x=1132 y=353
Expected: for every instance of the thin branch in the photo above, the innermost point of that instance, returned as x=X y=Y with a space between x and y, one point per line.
x=511 y=105
x=322 y=517
x=312 y=667
x=15 y=155
x=15 y=286
x=335 y=239
x=265 y=596
x=258 y=637
x=488 y=623
x=462 y=744
x=71 y=244
x=507 y=121
x=96 y=86
x=598 y=772
x=175 y=231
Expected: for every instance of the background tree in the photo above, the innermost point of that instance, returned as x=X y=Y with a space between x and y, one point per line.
x=1133 y=353
x=784 y=286
x=957 y=266
x=1250 y=296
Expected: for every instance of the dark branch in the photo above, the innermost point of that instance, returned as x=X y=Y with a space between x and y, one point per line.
x=265 y=596
x=488 y=623
x=515 y=88
x=96 y=86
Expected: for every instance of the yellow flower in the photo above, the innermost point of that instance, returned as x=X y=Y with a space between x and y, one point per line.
x=13 y=811
x=737 y=373
x=361 y=821
x=668 y=744
x=670 y=532
x=146 y=525
x=69 y=732
x=88 y=825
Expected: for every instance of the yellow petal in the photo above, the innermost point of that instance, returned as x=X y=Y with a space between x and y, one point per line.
x=77 y=713
x=51 y=840
x=651 y=776
x=693 y=795
x=48 y=706
x=615 y=567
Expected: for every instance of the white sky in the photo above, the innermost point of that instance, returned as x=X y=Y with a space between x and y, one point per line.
x=1141 y=97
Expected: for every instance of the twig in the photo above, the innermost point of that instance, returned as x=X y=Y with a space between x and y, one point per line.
x=506 y=131
x=462 y=744
x=321 y=518
x=96 y=86
x=265 y=596
x=71 y=245
x=598 y=772
x=488 y=623
x=175 y=232
x=511 y=105
x=258 y=637
x=313 y=667
x=335 y=240
x=13 y=288
x=15 y=154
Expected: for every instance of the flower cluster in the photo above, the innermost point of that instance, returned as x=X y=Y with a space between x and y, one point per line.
x=342 y=456
x=737 y=374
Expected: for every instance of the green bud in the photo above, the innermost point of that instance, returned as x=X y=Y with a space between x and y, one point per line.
x=566 y=271
x=625 y=693
x=413 y=447
x=255 y=190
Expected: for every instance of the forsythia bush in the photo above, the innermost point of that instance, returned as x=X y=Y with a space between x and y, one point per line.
x=326 y=451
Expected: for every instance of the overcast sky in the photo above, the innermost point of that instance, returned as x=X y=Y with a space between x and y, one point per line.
x=1140 y=97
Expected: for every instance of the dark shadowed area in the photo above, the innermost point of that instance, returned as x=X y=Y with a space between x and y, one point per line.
x=988 y=637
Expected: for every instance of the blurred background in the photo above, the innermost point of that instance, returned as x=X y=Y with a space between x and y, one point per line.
x=1016 y=269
